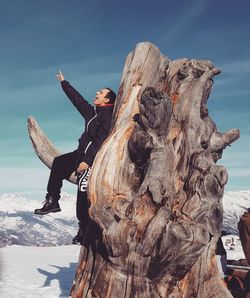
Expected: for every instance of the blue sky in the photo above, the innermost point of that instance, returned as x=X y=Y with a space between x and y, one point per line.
x=89 y=41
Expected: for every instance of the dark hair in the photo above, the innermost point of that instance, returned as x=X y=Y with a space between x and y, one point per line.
x=110 y=95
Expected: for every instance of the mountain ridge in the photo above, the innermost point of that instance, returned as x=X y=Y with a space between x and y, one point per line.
x=18 y=224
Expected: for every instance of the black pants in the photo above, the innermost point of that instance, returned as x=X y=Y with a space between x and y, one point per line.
x=82 y=207
x=63 y=166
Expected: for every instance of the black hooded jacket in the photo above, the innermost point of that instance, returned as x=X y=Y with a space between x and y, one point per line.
x=97 y=124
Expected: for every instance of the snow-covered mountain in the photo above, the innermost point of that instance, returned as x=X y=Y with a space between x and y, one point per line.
x=18 y=224
x=235 y=204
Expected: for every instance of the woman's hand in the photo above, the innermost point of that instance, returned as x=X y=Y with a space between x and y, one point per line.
x=60 y=76
x=82 y=167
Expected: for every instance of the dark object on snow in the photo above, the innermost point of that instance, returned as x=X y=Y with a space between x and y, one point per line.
x=244 y=232
x=80 y=234
x=238 y=282
x=50 y=205
x=220 y=250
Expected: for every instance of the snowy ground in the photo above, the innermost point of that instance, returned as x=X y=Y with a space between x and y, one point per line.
x=45 y=266
x=45 y=272
x=30 y=272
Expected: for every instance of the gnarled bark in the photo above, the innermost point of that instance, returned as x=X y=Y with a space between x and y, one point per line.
x=155 y=188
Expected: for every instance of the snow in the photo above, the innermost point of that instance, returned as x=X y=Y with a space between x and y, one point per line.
x=30 y=272
x=235 y=204
x=19 y=225
x=36 y=259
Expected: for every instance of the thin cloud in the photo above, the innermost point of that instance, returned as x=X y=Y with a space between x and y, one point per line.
x=236 y=67
x=48 y=85
x=236 y=163
x=232 y=115
x=27 y=179
x=239 y=173
x=191 y=11
x=228 y=80
x=226 y=92
x=32 y=178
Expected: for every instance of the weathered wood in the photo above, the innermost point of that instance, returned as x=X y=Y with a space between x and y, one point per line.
x=43 y=147
x=155 y=189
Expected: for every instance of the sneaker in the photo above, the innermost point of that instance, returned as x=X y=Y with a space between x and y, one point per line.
x=79 y=236
x=50 y=205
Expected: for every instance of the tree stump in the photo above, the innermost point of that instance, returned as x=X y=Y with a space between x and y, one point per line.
x=155 y=189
